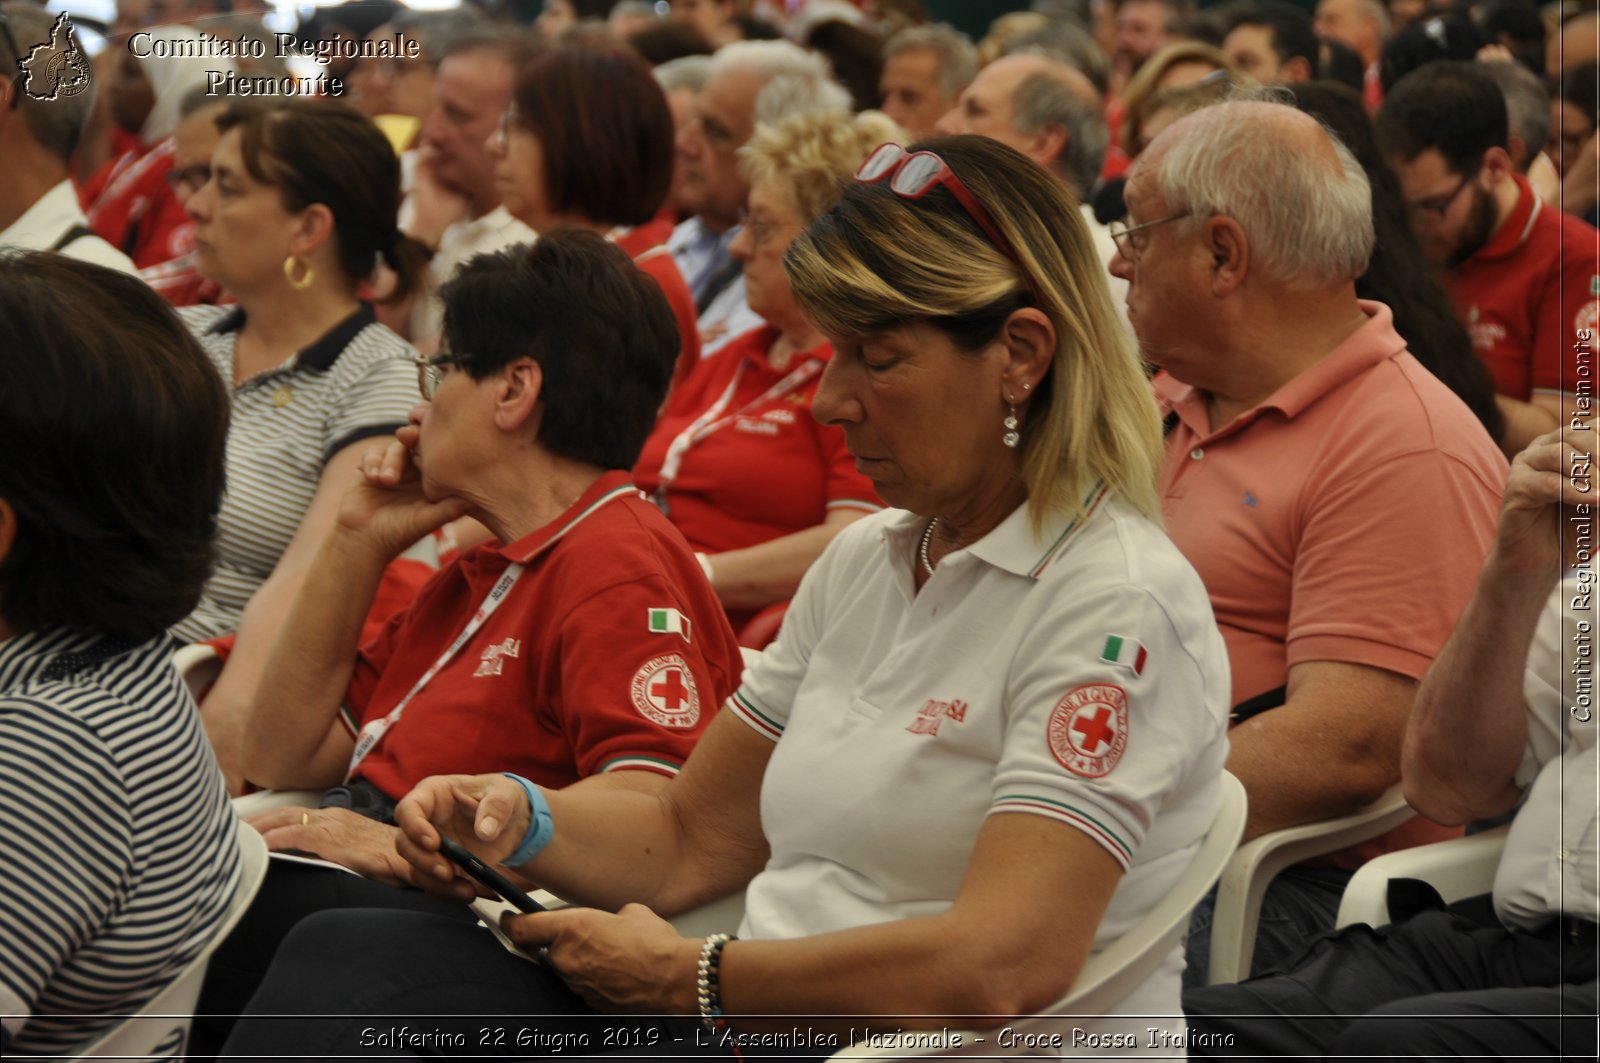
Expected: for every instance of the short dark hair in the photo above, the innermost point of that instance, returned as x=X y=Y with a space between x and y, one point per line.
x=1337 y=61
x=599 y=327
x=117 y=424
x=606 y=130
x=668 y=39
x=1290 y=27
x=318 y=151
x=1429 y=40
x=1580 y=86
x=1452 y=107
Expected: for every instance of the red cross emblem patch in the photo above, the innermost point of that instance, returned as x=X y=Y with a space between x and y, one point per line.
x=663 y=692
x=1088 y=729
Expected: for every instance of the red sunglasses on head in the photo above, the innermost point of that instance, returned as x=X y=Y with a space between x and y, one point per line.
x=912 y=175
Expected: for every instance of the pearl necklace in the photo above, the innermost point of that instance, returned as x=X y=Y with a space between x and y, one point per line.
x=922 y=551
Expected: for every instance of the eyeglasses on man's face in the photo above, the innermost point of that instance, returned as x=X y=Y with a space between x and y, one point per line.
x=1433 y=208
x=430 y=372
x=1123 y=234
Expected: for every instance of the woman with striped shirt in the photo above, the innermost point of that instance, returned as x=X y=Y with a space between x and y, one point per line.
x=299 y=209
x=116 y=837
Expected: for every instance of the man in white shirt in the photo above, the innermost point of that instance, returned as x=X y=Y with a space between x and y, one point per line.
x=470 y=92
x=38 y=204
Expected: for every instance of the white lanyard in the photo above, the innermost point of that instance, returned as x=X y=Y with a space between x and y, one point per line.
x=375 y=729
x=713 y=419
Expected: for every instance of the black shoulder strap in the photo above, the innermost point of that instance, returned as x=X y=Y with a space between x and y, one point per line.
x=71 y=236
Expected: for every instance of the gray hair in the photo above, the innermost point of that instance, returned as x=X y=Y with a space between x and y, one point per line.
x=685 y=72
x=1068 y=43
x=1307 y=227
x=958 y=59
x=438 y=32
x=797 y=81
x=1044 y=100
x=1527 y=106
x=56 y=125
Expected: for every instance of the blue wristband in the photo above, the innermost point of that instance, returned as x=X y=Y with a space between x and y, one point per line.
x=540 y=827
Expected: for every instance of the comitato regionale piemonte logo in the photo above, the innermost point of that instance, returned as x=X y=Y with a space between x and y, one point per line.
x=57 y=68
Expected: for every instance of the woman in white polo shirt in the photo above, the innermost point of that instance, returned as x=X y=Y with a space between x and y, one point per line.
x=987 y=741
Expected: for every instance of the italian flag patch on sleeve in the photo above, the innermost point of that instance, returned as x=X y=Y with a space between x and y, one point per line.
x=1126 y=652
x=669 y=622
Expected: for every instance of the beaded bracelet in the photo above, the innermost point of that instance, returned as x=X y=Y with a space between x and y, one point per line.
x=708 y=981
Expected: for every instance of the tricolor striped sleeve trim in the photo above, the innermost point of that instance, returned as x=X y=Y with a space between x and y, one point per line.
x=660 y=765
x=855 y=503
x=1091 y=503
x=753 y=716
x=1071 y=815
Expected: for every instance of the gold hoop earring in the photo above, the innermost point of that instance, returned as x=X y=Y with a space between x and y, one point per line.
x=302 y=282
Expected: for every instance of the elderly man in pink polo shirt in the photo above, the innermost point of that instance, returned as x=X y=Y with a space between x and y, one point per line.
x=1334 y=496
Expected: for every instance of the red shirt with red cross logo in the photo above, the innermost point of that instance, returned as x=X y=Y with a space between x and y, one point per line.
x=610 y=652
x=1527 y=292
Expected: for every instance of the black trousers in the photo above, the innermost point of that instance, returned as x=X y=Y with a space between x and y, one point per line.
x=290 y=893
x=1442 y=984
x=402 y=985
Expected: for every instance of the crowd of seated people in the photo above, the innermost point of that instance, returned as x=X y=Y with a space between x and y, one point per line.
x=597 y=435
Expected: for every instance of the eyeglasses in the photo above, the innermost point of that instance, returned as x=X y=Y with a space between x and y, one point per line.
x=760 y=229
x=16 y=58
x=1122 y=233
x=1437 y=205
x=508 y=120
x=190 y=179
x=429 y=376
x=912 y=175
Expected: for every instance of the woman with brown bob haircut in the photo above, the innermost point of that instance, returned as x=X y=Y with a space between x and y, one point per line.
x=119 y=843
x=299 y=210
x=588 y=144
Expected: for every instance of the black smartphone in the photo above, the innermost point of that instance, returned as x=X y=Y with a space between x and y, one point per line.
x=487 y=875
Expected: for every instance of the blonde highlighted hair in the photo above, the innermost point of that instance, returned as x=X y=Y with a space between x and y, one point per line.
x=815 y=156
x=877 y=261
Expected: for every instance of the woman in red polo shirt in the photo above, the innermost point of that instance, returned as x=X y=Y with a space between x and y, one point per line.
x=736 y=461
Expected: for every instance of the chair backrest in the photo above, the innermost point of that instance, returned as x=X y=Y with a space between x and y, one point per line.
x=198 y=665
x=1111 y=974
x=1245 y=880
x=160 y=1029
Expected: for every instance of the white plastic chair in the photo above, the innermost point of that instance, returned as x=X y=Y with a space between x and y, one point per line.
x=160 y=1029
x=198 y=665
x=1110 y=975
x=1246 y=878
x=1458 y=868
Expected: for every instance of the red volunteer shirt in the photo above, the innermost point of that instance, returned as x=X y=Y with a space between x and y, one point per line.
x=610 y=652
x=1527 y=292
x=130 y=205
x=769 y=470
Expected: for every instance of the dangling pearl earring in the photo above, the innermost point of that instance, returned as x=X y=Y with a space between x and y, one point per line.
x=1011 y=438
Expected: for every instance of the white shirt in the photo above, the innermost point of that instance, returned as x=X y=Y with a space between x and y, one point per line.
x=1549 y=863
x=50 y=218
x=904 y=719
x=494 y=231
